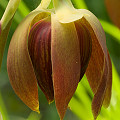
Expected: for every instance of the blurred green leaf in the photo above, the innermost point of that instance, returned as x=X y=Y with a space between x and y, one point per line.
x=34 y=116
x=23 y=9
x=79 y=4
x=109 y=28
x=3 y=111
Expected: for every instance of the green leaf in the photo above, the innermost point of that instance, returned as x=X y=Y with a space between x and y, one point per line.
x=34 y=116
x=3 y=112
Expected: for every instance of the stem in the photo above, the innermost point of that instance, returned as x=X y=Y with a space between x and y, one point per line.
x=9 y=12
x=61 y=3
x=80 y=4
x=43 y=5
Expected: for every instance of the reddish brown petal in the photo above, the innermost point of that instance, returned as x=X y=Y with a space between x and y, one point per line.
x=19 y=65
x=95 y=71
x=39 y=45
x=85 y=43
x=113 y=8
x=107 y=98
x=104 y=91
x=95 y=67
x=100 y=94
x=65 y=63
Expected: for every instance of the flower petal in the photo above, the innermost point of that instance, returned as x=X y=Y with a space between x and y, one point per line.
x=99 y=58
x=85 y=43
x=19 y=65
x=65 y=63
x=39 y=45
x=108 y=93
x=100 y=94
x=113 y=7
x=103 y=94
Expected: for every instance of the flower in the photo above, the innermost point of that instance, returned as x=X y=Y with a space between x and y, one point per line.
x=55 y=49
x=113 y=11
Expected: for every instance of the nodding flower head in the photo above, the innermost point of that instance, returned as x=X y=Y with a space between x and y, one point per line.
x=54 y=50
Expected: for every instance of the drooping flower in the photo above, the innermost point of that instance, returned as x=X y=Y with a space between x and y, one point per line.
x=113 y=7
x=54 y=49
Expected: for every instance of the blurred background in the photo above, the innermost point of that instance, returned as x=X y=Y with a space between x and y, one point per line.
x=12 y=108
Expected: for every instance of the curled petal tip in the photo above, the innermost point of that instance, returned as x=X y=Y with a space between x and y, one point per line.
x=37 y=110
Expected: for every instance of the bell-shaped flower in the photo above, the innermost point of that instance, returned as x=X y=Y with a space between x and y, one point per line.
x=54 y=49
x=113 y=8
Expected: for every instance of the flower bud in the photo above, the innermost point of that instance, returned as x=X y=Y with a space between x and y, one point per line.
x=54 y=50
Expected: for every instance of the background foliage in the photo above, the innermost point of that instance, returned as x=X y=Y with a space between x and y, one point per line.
x=12 y=108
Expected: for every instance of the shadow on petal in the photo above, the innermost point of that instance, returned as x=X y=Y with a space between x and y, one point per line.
x=85 y=43
x=39 y=46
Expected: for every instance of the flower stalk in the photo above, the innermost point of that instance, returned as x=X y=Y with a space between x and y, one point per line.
x=5 y=24
x=43 y=5
x=9 y=12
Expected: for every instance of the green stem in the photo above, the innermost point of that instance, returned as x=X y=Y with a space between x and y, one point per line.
x=43 y=5
x=61 y=3
x=80 y=4
x=9 y=12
